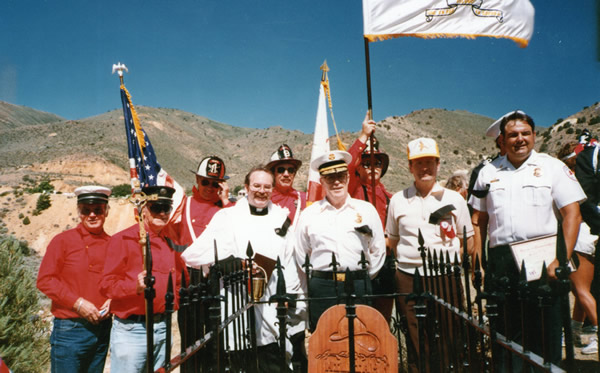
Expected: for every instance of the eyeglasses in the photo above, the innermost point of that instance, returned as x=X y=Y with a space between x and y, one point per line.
x=367 y=164
x=97 y=211
x=290 y=170
x=332 y=178
x=158 y=208
x=205 y=182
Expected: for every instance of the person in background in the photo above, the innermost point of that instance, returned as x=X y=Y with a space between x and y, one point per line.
x=458 y=182
x=209 y=195
x=69 y=275
x=284 y=166
x=123 y=281
x=360 y=186
x=581 y=279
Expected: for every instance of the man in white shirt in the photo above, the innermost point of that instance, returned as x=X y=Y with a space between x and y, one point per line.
x=257 y=221
x=522 y=195
x=411 y=211
x=342 y=226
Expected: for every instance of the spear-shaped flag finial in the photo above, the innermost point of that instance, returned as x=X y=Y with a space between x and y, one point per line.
x=324 y=68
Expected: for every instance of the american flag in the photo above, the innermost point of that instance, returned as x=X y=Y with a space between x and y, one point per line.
x=143 y=165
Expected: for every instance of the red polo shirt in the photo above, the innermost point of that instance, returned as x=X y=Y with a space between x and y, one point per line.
x=124 y=263
x=364 y=191
x=72 y=268
x=201 y=212
x=289 y=200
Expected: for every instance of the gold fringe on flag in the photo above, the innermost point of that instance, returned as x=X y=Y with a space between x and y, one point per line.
x=375 y=37
x=136 y=122
x=325 y=83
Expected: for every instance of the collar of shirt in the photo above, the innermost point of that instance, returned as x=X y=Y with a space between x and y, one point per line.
x=291 y=193
x=84 y=233
x=412 y=192
x=348 y=204
x=531 y=161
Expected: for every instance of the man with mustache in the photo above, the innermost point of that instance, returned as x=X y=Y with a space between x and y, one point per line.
x=69 y=276
x=123 y=282
x=521 y=196
x=284 y=166
x=210 y=194
x=411 y=211
x=360 y=187
x=339 y=225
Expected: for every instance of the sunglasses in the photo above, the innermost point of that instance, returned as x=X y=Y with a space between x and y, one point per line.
x=205 y=182
x=332 y=178
x=368 y=164
x=158 y=208
x=97 y=211
x=290 y=170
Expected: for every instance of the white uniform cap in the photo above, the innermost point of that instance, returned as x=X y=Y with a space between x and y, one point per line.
x=494 y=130
x=92 y=194
x=331 y=162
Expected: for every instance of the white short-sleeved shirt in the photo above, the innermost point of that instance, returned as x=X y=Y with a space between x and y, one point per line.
x=521 y=203
x=323 y=229
x=409 y=212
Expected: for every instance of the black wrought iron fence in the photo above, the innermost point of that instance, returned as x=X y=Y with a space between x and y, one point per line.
x=456 y=331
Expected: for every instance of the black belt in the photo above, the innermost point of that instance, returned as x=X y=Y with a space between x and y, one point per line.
x=339 y=276
x=157 y=317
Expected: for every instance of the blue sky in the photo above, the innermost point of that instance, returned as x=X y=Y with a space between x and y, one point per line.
x=255 y=63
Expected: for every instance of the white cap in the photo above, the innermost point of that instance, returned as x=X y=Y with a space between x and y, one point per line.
x=494 y=130
x=331 y=162
x=92 y=194
x=422 y=147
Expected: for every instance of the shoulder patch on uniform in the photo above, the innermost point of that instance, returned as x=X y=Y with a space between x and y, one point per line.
x=569 y=173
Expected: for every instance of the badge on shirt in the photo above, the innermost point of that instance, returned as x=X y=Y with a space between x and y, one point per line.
x=537 y=172
x=569 y=173
x=358 y=218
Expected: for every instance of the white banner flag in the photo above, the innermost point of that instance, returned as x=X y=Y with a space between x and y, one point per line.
x=320 y=146
x=511 y=19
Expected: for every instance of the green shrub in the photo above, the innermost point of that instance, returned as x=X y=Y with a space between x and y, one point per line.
x=24 y=344
x=43 y=186
x=121 y=190
x=42 y=203
x=26 y=221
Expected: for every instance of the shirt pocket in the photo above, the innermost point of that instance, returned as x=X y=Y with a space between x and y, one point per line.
x=537 y=192
x=497 y=195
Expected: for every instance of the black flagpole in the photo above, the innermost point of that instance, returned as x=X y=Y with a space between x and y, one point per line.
x=370 y=115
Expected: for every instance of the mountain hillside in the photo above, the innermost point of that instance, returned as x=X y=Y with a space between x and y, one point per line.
x=12 y=116
x=181 y=139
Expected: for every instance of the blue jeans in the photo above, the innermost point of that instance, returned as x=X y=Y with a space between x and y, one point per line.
x=128 y=346
x=79 y=346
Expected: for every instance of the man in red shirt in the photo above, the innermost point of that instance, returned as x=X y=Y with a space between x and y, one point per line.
x=123 y=282
x=210 y=194
x=284 y=166
x=360 y=170
x=360 y=187
x=69 y=276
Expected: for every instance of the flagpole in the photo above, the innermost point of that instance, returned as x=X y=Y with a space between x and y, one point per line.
x=370 y=117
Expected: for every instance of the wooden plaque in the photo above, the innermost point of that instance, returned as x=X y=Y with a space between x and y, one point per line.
x=375 y=348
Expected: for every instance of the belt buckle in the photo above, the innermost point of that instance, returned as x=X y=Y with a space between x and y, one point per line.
x=340 y=276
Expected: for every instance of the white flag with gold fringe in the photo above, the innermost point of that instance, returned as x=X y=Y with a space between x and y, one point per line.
x=386 y=19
